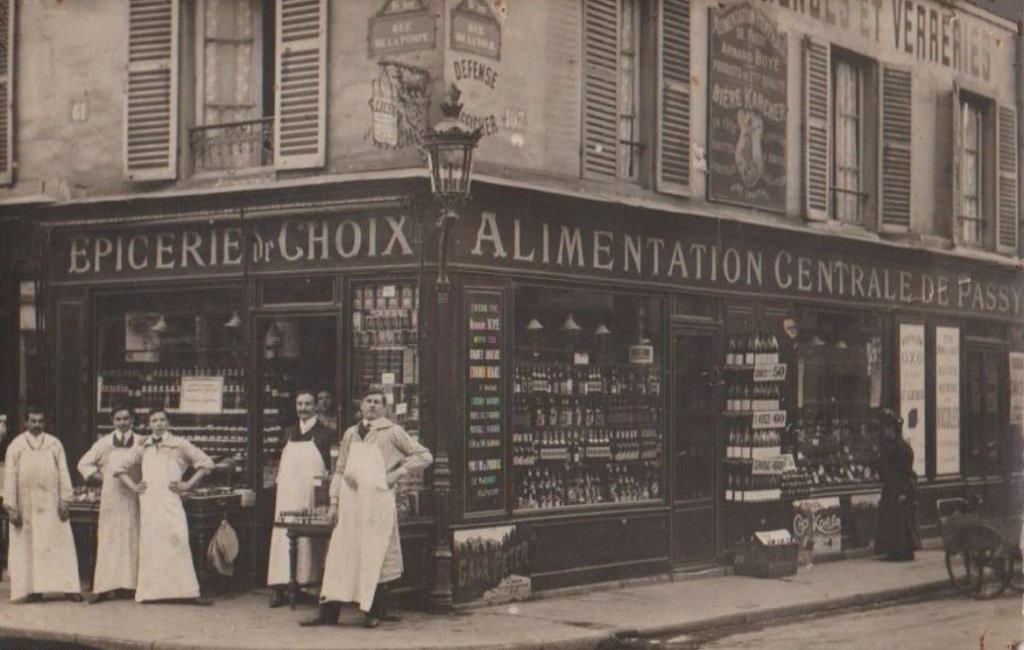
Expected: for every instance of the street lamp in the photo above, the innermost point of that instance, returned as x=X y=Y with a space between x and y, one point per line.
x=449 y=149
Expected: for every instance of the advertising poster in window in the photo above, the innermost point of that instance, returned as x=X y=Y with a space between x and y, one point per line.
x=485 y=471
x=912 y=385
x=1017 y=393
x=747 y=124
x=142 y=337
x=947 y=400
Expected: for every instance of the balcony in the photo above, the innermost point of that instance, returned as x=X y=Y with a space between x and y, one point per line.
x=231 y=146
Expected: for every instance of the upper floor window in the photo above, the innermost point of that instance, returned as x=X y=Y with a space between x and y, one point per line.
x=235 y=64
x=848 y=196
x=971 y=208
x=259 y=89
x=636 y=92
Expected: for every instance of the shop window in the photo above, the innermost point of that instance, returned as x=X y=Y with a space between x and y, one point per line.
x=184 y=352
x=385 y=354
x=587 y=415
x=838 y=391
x=32 y=386
x=989 y=444
x=298 y=354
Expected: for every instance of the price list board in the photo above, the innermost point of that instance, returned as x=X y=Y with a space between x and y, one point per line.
x=485 y=468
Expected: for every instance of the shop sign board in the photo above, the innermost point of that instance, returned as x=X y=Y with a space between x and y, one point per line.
x=747 y=104
x=401 y=26
x=225 y=247
x=492 y=564
x=688 y=253
x=912 y=390
x=1017 y=393
x=485 y=472
x=201 y=394
x=947 y=400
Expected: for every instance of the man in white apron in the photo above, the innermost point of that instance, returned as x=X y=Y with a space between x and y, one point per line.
x=365 y=553
x=166 y=571
x=37 y=496
x=117 y=547
x=306 y=456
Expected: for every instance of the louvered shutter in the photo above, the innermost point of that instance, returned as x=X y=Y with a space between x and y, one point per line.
x=1006 y=216
x=896 y=138
x=300 y=103
x=151 y=100
x=7 y=92
x=600 y=88
x=817 y=113
x=673 y=161
x=955 y=197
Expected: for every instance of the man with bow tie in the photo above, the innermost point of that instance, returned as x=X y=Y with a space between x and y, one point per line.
x=306 y=456
x=117 y=547
x=365 y=553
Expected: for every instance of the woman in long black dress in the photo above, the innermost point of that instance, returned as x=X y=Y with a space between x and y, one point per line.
x=896 y=536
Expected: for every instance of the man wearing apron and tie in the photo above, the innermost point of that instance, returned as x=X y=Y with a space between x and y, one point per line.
x=365 y=553
x=306 y=456
x=117 y=537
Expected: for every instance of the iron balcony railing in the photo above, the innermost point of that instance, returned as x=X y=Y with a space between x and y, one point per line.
x=233 y=145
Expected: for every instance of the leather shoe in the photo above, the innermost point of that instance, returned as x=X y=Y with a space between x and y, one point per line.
x=33 y=598
x=278 y=599
x=370 y=621
x=74 y=597
x=96 y=598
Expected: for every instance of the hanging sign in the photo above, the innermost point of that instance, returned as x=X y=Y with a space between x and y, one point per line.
x=912 y=391
x=947 y=400
x=747 y=102
x=485 y=472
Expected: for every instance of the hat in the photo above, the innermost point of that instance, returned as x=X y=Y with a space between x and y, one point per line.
x=888 y=416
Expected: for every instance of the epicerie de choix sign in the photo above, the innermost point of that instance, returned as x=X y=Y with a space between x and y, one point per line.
x=220 y=247
x=660 y=252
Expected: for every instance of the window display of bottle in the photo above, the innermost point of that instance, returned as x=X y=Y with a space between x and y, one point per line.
x=585 y=434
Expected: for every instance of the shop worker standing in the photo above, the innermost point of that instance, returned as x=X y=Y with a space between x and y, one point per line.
x=306 y=456
x=166 y=571
x=117 y=538
x=897 y=537
x=37 y=496
x=365 y=553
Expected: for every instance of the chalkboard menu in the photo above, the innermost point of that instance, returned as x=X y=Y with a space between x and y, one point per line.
x=485 y=470
x=747 y=129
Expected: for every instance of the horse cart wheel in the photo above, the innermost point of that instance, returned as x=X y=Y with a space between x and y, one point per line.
x=978 y=563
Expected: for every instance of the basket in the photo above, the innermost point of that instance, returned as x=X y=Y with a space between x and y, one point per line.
x=766 y=561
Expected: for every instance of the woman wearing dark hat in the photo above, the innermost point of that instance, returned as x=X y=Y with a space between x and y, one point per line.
x=896 y=535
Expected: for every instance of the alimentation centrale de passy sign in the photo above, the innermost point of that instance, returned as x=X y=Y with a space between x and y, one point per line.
x=674 y=251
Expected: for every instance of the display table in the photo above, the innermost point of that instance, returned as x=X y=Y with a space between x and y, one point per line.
x=295 y=531
x=204 y=515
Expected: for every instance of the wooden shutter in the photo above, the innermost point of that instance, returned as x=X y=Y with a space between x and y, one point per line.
x=600 y=88
x=956 y=134
x=151 y=99
x=817 y=117
x=300 y=101
x=1006 y=215
x=7 y=50
x=896 y=139
x=673 y=161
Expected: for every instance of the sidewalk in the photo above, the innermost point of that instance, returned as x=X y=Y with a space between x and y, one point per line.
x=562 y=621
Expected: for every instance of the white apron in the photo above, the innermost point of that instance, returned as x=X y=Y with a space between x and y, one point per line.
x=300 y=462
x=165 y=559
x=366 y=521
x=42 y=557
x=117 y=548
